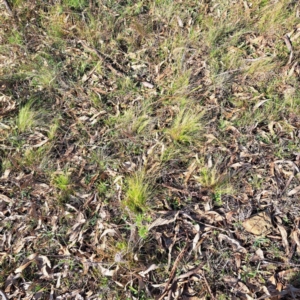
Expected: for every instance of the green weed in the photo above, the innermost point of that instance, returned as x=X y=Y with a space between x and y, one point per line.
x=259 y=242
x=62 y=182
x=5 y=164
x=141 y=221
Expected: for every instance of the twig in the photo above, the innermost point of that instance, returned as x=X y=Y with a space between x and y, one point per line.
x=173 y=271
x=7 y=7
x=208 y=288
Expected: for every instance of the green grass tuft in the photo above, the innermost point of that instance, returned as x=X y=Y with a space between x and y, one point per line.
x=76 y=4
x=186 y=127
x=26 y=118
x=137 y=193
x=62 y=182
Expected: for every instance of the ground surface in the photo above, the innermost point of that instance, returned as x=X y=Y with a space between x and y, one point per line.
x=149 y=149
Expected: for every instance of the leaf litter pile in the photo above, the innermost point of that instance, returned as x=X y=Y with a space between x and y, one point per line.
x=149 y=149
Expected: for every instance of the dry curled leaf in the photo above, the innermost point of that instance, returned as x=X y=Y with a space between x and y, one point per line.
x=6 y=105
x=284 y=238
x=235 y=244
x=30 y=259
x=151 y=268
x=42 y=262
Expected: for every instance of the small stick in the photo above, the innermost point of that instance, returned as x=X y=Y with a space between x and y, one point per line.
x=173 y=271
x=208 y=289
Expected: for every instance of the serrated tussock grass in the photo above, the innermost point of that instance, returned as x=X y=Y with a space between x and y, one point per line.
x=137 y=193
x=186 y=126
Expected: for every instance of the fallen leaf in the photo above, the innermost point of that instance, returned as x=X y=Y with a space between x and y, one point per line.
x=40 y=144
x=4 y=126
x=260 y=103
x=232 y=281
x=147 y=85
x=7 y=105
x=238 y=260
x=294 y=191
x=151 y=268
x=242 y=288
x=259 y=224
x=44 y=265
x=233 y=129
x=26 y=263
x=236 y=165
x=111 y=232
x=162 y=221
x=18 y=246
x=107 y=272
x=6 y=174
x=210 y=137
x=5 y=198
x=179 y=21
x=190 y=171
x=213 y=216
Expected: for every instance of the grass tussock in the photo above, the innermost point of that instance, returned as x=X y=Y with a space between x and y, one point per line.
x=26 y=118
x=186 y=127
x=137 y=193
